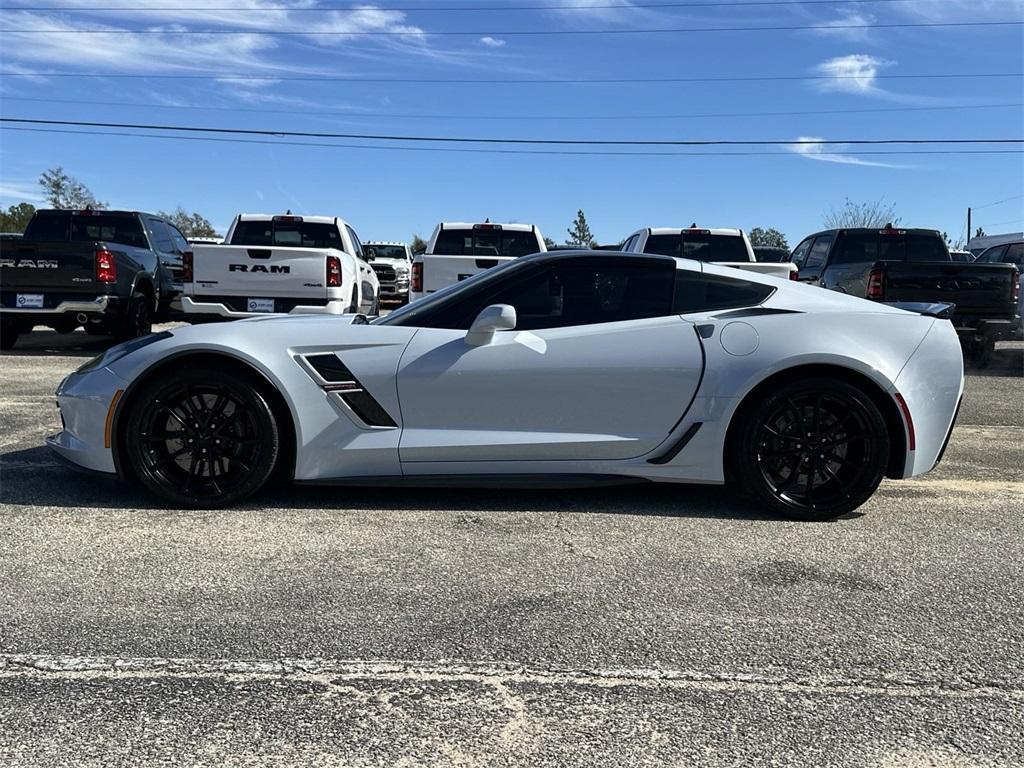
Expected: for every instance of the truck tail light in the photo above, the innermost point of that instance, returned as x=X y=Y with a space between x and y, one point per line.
x=416 y=282
x=333 y=272
x=186 y=266
x=794 y=274
x=1016 y=285
x=876 y=284
x=106 y=266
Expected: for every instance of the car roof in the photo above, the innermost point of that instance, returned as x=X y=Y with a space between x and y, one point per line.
x=471 y=224
x=271 y=216
x=727 y=231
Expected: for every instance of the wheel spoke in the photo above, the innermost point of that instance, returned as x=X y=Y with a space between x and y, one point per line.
x=826 y=469
x=169 y=459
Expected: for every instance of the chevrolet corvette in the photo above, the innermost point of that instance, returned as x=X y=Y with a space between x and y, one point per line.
x=560 y=368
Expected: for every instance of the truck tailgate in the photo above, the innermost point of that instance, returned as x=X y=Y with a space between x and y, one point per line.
x=48 y=266
x=260 y=271
x=973 y=288
x=440 y=271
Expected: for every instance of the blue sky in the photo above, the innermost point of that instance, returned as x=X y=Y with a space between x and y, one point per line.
x=391 y=194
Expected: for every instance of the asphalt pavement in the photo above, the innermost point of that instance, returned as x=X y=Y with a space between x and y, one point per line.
x=645 y=625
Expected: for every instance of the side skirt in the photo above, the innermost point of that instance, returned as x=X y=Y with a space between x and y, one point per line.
x=553 y=481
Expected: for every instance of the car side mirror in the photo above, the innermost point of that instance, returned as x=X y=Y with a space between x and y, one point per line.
x=369 y=255
x=496 y=317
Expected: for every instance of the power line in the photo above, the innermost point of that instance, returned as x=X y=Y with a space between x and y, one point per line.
x=419 y=8
x=997 y=202
x=248 y=76
x=494 y=140
x=507 y=33
x=548 y=152
x=506 y=118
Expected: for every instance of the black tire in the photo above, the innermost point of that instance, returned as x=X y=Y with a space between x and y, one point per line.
x=375 y=308
x=353 y=307
x=773 y=460
x=203 y=438
x=981 y=354
x=137 y=319
x=9 y=333
x=65 y=325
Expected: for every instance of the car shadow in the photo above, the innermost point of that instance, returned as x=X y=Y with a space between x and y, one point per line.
x=1007 y=360
x=44 y=343
x=34 y=477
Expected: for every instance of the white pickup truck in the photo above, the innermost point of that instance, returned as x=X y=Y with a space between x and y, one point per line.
x=392 y=262
x=280 y=264
x=726 y=247
x=460 y=250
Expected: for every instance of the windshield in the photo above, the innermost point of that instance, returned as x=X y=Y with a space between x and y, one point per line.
x=407 y=315
x=485 y=242
x=296 y=234
x=385 y=251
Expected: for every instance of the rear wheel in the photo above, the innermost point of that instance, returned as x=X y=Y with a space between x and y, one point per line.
x=202 y=438
x=813 y=449
x=9 y=333
x=137 y=319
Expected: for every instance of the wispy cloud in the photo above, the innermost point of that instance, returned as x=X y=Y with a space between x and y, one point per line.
x=945 y=11
x=812 y=148
x=19 y=191
x=582 y=12
x=847 y=25
x=491 y=42
x=856 y=73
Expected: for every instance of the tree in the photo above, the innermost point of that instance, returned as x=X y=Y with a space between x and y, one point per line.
x=418 y=245
x=979 y=232
x=64 y=192
x=770 y=237
x=579 y=232
x=15 y=218
x=875 y=214
x=549 y=243
x=953 y=246
x=190 y=224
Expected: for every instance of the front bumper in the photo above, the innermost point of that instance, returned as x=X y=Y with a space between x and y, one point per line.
x=192 y=306
x=85 y=401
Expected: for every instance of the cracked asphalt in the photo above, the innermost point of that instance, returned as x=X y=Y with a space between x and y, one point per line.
x=629 y=626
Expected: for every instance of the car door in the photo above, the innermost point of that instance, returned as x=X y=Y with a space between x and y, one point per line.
x=368 y=282
x=814 y=262
x=598 y=368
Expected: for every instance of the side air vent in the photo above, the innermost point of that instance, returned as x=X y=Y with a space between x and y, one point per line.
x=340 y=382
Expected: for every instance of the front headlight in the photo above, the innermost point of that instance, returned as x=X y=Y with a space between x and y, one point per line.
x=118 y=351
x=401 y=270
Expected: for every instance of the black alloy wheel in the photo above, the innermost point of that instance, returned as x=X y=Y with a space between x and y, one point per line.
x=204 y=438
x=814 y=449
x=137 y=320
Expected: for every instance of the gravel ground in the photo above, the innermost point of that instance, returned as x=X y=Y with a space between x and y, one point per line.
x=629 y=626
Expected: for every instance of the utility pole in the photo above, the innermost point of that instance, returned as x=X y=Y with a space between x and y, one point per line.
x=968 y=226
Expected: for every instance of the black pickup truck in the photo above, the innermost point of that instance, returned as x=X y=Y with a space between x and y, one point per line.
x=914 y=265
x=114 y=272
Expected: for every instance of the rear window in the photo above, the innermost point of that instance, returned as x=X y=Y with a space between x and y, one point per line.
x=860 y=247
x=697 y=292
x=108 y=228
x=385 y=251
x=297 y=234
x=699 y=246
x=485 y=242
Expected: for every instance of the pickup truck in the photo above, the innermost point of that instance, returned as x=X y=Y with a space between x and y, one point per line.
x=725 y=247
x=392 y=262
x=1008 y=253
x=913 y=265
x=460 y=250
x=283 y=264
x=114 y=272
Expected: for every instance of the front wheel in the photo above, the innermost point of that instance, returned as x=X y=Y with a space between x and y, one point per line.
x=203 y=438
x=813 y=449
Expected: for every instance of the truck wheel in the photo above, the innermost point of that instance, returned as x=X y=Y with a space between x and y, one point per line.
x=9 y=332
x=353 y=308
x=96 y=329
x=137 y=320
x=981 y=355
x=814 y=449
x=375 y=309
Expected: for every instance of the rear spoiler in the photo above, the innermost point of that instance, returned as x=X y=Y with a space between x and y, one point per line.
x=931 y=309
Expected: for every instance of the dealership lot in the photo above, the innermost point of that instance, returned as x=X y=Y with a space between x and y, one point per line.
x=641 y=625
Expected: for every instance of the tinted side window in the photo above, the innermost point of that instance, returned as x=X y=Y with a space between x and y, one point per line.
x=800 y=252
x=355 y=242
x=816 y=256
x=1015 y=254
x=161 y=236
x=993 y=255
x=572 y=292
x=47 y=227
x=630 y=244
x=926 y=248
x=856 y=248
x=180 y=243
x=697 y=292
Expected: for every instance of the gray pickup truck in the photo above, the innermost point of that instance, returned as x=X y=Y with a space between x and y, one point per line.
x=113 y=272
x=913 y=265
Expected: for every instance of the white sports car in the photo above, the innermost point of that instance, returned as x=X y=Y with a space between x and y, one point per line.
x=552 y=369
